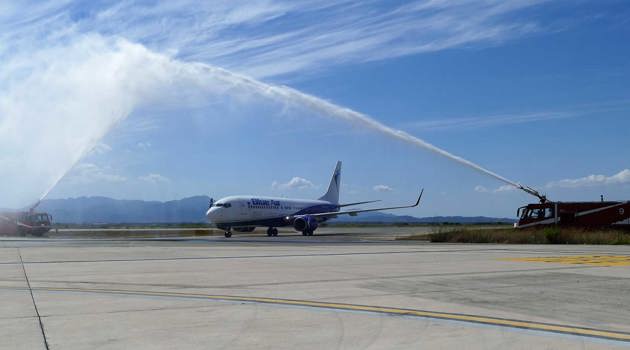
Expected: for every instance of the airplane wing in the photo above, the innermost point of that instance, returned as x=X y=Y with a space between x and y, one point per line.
x=355 y=212
x=356 y=203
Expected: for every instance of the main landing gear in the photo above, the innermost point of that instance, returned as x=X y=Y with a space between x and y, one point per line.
x=307 y=233
x=272 y=232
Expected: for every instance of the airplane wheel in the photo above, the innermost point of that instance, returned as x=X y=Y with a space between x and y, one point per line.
x=274 y=232
x=310 y=233
x=269 y=232
x=304 y=233
x=227 y=234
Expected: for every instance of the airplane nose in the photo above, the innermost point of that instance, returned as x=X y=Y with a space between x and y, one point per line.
x=213 y=214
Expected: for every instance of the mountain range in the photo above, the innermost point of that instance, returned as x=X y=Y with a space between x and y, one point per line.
x=103 y=210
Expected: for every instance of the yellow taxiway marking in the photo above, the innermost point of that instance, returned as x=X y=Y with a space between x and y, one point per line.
x=493 y=321
x=591 y=260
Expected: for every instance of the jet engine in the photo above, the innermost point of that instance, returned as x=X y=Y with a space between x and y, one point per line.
x=305 y=223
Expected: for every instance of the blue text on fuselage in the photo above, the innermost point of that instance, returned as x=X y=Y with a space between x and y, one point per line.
x=263 y=203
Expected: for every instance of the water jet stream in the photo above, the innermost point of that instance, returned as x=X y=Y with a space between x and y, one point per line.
x=288 y=95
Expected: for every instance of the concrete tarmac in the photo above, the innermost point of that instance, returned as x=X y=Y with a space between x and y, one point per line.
x=356 y=290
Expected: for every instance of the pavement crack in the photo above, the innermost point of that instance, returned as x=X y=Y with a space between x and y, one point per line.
x=28 y=284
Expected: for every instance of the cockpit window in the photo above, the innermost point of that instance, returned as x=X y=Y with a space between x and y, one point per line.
x=543 y=213
x=224 y=205
x=39 y=218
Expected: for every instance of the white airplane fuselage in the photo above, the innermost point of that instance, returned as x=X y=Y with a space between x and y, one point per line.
x=245 y=211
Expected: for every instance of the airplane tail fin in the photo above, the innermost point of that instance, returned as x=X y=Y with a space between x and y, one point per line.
x=332 y=195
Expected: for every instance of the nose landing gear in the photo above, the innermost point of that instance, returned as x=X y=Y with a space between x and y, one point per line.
x=228 y=234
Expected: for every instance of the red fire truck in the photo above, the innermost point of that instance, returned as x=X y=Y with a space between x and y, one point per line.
x=584 y=214
x=25 y=222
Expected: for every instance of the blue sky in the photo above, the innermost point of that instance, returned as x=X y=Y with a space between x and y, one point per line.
x=533 y=90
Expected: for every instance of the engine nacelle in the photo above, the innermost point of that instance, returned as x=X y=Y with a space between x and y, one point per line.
x=305 y=223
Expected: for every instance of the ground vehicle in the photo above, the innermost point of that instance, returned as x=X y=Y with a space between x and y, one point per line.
x=25 y=222
x=586 y=214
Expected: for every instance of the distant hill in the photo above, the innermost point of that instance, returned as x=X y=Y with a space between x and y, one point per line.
x=84 y=210
x=103 y=210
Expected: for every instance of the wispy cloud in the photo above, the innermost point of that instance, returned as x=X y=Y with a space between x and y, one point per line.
x=154 y=178
x=143 y=145
x=296 y=182
x=489 y=121
x=382 y=188
x=267 y=38
x=505 y=188
x=101 y=148
x=622 y=177
x=581 y=110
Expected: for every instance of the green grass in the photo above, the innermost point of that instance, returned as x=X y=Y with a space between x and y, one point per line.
x=548 y=235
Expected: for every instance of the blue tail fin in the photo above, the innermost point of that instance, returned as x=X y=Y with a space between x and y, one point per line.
x=332 y=195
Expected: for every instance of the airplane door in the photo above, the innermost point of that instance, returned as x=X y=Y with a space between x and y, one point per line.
x=242 y=209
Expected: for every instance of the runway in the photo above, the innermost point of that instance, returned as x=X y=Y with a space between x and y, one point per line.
x=360 y=289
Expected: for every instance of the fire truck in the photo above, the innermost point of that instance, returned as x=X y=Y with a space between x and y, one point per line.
x=21 y=223
x=583 y=214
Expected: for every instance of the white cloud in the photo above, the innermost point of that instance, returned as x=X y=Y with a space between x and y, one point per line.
x=500 y=189
x=622 y=177
x=505 y=188
x=382 y=188
x=154 y=178
x=296 y=182
x=481 y=189
x=91 y=173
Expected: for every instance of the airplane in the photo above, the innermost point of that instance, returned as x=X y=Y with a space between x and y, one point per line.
x=245 y=213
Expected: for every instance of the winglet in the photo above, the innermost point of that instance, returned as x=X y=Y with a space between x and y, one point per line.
x=419 y=197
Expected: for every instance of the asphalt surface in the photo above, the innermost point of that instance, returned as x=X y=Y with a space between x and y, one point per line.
x=345 y=288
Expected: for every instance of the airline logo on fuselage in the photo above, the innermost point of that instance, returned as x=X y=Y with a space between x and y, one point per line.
x=266 y=203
